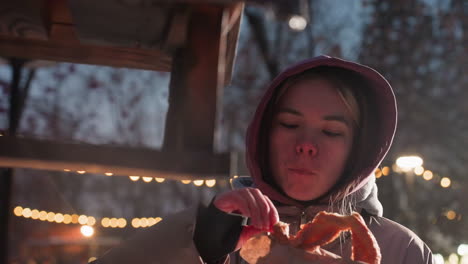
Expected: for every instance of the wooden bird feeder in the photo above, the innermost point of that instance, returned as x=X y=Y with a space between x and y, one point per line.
x=195 y=40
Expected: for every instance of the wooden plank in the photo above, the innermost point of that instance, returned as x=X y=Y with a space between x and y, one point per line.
x=51 y=155
x=22 y=18
x=121 y=23
x=87 y=54
x=196 y=83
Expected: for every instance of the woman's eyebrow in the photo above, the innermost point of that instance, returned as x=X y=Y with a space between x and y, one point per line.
x=289 y=111
x=338 y=118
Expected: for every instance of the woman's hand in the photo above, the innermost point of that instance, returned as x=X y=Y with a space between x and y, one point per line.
x=252 y=203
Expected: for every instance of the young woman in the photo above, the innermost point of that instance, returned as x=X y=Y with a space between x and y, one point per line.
x=319 y=132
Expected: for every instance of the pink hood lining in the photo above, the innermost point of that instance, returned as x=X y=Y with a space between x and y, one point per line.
x=385 y=102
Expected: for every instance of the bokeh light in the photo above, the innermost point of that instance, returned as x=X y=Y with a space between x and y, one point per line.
x=87 y=231
x=297 y=23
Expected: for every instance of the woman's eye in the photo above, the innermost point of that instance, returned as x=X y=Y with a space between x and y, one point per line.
x=286 y=125
x=332 y=134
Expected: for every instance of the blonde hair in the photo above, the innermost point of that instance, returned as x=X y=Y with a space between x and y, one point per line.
x=344 y=91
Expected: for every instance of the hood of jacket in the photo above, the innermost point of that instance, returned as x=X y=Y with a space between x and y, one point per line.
x=375 y=146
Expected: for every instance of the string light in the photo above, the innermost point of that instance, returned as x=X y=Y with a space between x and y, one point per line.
x=160 y=180
x=147 y=179
x=451 y=215
x=105 y=222
x=419 y=170
x=121 y=223
x=185 y=181
x=59 y=218
x=87 y=231
x=136 y=222
x=378 y=173
x=108 y=173
x=83 y=220
x=113 y=222
x=67 y=219
x=66 y=170
x=42 y=215
x=26 y=213
x=428 y=175
x=81 y=172
x=75 y=218
x=385 y=171
x=210 y=183
x=18 y=211
x=50 y=216
x=35 y=214
x=198 y=182
x=134 y=178
x=445 y=182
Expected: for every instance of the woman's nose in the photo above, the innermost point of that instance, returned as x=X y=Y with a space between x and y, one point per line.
x=306 y=149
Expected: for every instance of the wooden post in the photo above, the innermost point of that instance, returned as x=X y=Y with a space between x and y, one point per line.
x=6 y=175
x=196 y=83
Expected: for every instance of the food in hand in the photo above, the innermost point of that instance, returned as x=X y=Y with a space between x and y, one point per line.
x=322 y=230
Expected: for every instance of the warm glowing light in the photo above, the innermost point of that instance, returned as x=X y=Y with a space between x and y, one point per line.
x=151 y=221
x=91 y=259
x=407 y=163
x=419 y=170
x=136 y=222
x=108 y=173
x=75 y=218
x=385 y=171
x=438 y=259
x=464 y=259
x=18 y=211
x=147 y=179
x=445 y=182
x=91 y=221
x=453 y=259
x=58 y=218
x=81 y=172
x=67 y=170
x=50 y=216
x=42 y=215
x=105 y=222
x=462 y=250
x=158 y=219
x=113 y=222
x=378 y=173
x=67 y=219
x=297 y=23
x=451 y=215
x=87 y=231
x=35 y=214
x=27 y=212
x=198 y=182
x=210 y=183
x=235 y=176
x=121 y=222
x=134 y=178
x=159 y=179
x=185 y=181
x=427 y=175
x=143 y=222
x=83 y=219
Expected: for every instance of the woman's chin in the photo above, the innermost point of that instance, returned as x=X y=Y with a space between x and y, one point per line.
x=301 y=194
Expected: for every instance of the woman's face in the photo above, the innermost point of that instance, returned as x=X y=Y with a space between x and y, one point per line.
x=310 y=139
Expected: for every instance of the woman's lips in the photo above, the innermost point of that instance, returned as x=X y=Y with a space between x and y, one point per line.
x=300 y=171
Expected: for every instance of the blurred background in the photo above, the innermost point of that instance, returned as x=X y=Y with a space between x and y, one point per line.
x=420 y=46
